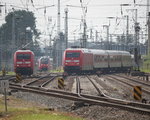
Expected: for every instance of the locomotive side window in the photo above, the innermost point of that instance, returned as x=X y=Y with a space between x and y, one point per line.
x=23 y=56
x=72 y=55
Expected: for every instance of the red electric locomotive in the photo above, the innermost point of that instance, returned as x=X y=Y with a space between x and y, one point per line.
x=77 y=60
x=24 y=62
x=44 y=63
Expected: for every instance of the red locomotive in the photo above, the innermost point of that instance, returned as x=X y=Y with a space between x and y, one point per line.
x=24 y=62
x=44 y=63
x=79 y=60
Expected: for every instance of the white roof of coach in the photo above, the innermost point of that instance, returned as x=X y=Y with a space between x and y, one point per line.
x=23 y=51
x=97 y=51
x=114 y=52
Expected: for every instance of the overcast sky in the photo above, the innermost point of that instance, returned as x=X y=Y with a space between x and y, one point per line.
x=96 y=17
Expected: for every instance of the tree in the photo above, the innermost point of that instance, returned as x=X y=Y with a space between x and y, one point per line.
x=22 y=20
x=15 y=28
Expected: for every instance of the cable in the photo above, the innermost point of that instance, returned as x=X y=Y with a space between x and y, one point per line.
x=88 y=2
x=22 y=3
x=65 y=1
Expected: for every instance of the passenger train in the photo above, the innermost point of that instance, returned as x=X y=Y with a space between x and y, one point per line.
x=24 y=62
x=80 y=60
x=44 y=63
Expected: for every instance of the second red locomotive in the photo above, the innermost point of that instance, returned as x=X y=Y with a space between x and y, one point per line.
x=24 y=62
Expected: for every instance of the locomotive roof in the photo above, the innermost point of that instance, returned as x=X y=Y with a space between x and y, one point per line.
x=23 y=51
x=80 y=49
x=99 y=51
x=44 y=57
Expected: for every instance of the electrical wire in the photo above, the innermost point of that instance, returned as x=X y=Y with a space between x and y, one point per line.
x=22 y=3
x=88 y=2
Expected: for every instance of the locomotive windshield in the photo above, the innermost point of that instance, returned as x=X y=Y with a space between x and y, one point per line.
x=24 y=56
x=44 y=61
x=72 y=54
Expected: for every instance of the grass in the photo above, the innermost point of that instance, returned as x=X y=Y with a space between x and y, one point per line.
x=44 y=116
x=146 y=64
x=8 y=73
x=22 y=110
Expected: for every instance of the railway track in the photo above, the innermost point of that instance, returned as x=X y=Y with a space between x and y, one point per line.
x=135 y=80
x=38 y=82
x=124 y=80
x=105 y=97
x=38 y=87
x=7 y=77
x=103 y=101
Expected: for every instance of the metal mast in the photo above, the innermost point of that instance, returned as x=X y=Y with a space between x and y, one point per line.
x=84 y=10
x=107 y=43
x=58 y=19
x=148 y=26
x=13 y=38
x=149 y=34
x=136 y=30
x=66 y=27
x=127 y=32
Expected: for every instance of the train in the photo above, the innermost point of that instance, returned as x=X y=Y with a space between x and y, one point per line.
x=24 y=62
x=44 y=63
x=80 y=60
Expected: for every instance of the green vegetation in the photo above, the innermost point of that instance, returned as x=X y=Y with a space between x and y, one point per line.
x=22 y=110
x=146 y=64
x=44 y=116
x=8 y=73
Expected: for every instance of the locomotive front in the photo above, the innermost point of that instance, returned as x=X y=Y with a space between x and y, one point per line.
x=24 y=62
x=44 y=64
x=72 y=61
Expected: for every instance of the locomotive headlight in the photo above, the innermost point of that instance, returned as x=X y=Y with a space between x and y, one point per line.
x=77 y=63
x=68 y=60
x=19 y=62
x=28 y=62
x=66 y=63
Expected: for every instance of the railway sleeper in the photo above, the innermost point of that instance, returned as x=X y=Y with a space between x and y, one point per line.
x=140 y=74
x=79 y=104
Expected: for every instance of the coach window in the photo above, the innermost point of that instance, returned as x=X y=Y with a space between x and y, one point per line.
x=96 y=58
